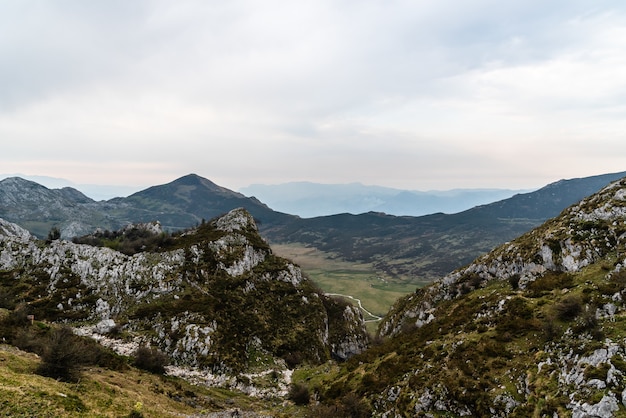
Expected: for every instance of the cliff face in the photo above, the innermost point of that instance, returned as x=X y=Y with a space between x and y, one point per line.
x=214 y=298
x=534 y=328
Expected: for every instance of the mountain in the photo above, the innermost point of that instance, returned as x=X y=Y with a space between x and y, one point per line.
x=180 y=204
x=533 y=328
x=417 y=249
x=428 y=247
x=214 y=299
x=38 y=208
x=308 y=200
x=93 y=191
x=186 y=202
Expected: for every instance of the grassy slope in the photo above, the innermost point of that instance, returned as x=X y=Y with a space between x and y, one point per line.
x=106 y=393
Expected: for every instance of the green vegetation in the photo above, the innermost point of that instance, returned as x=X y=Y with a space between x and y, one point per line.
x=478 y=348
x=359 y=280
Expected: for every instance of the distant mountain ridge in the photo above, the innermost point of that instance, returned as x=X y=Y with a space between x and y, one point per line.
x=418 y=248
x=310 y=200
x=430 y=246
x=180 y=204
x=97 y=192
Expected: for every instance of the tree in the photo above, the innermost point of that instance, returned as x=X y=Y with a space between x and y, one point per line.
x=54 y=234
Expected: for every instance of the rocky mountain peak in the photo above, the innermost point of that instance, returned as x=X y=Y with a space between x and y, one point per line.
x=236 y=220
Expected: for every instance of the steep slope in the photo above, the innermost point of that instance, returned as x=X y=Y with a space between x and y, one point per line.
x=534 y=328
x=215 y=299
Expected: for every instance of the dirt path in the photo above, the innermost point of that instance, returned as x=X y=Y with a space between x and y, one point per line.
x=358 y=301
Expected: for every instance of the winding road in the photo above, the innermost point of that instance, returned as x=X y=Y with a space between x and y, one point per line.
x=358 y=301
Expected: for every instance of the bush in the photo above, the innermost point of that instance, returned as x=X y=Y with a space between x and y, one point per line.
x=548 y=282
x=63 y=354
x=568 y=308
x=349 y=406
x=150 y=359
x=514 y=281
x=550 y=329
x=299 y=394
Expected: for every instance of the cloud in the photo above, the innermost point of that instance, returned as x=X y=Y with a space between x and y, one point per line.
x=331 y=91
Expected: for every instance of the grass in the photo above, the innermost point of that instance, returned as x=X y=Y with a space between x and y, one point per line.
x=359 y=280
x=106 y=393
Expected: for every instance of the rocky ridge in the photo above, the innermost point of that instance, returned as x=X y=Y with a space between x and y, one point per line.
x=216 y=300
x=534 y=328
x=583 y=234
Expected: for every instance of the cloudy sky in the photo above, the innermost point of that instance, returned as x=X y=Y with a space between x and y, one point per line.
x=409 y=94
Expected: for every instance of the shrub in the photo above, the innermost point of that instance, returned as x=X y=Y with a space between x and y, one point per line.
x=548 y=282
x=63 y=354
x=349 y=406
x=150 y=359
x=568 y=308
x=54 y=234
x=354 y=407
x=299 y=394
x=550 y=329
x=293 y=359
x=514 y=281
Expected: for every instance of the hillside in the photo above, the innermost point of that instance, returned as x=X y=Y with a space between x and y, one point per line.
x=534 y=328
x=214 y=299
x=38 y=208
x=104 y=392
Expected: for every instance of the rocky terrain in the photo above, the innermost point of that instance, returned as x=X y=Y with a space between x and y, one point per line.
x=534 y=328
x=215 y=299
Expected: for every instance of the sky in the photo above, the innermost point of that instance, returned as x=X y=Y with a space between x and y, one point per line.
x=416 y=94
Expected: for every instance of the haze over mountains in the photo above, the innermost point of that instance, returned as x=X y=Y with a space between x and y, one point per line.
x=309 y=200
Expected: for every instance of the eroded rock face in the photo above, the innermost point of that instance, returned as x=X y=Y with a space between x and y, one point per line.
x=582 y=234
x=11 y=231
x=216 y=300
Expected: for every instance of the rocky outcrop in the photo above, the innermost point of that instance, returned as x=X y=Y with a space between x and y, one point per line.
x=583 y=234
x=216 y=299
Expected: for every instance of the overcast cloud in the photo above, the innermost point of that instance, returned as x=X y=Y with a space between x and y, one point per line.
x=409 y=94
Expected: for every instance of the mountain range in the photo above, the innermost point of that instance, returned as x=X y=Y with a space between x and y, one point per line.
x=310 y=200
x=415 y=249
